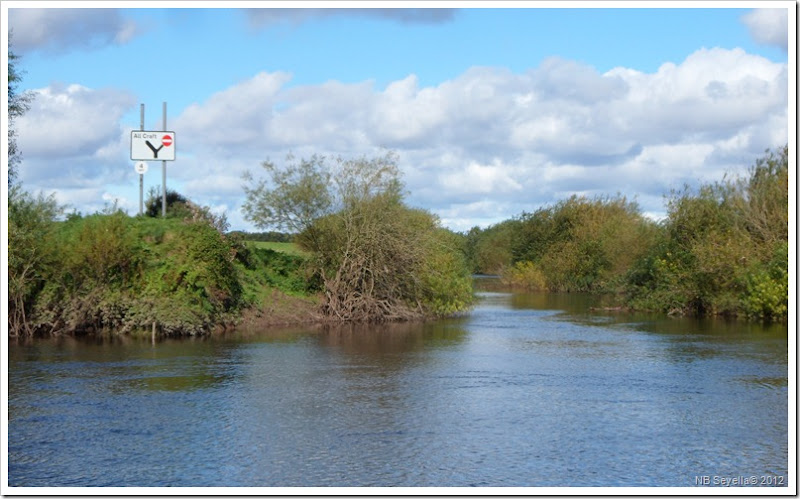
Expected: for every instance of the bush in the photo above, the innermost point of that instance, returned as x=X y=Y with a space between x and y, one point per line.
x=176 y=203
x=525 y=275
x=32 y=254
x=767 y=291
x=723 y=249
x=489 y=250
x=381 y=261
x=118 y=273
x=377 y=259
x=98 y=250
x=581 y=244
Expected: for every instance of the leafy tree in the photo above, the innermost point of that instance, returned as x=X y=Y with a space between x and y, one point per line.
x=295 y=195
x=378 y=259
x=18 y=104
x=579 y=244
x=490 y=250
x=31 y=253
x=176 y=203
x=723 y=249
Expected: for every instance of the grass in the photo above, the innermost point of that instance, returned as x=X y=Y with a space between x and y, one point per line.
x=288 y=248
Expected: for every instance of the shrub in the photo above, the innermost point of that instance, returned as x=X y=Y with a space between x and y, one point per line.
x=767 y=292
x=377 y=259
x=32 y=254
x=582 y=244
x=525 y=275
x=723 y=249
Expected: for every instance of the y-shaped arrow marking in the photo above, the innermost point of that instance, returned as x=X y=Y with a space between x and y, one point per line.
x=155 y=151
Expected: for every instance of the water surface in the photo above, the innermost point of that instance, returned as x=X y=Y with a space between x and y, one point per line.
x=527 y=390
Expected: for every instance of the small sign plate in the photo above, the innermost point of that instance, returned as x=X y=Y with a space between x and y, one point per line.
x=141 y=167
x=152 y=146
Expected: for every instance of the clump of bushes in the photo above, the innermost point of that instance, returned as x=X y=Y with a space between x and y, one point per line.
x=525 y=275
x=115 y=272
x=31 y=254
x=110 y=271
x=722 y=250
x=578 y=244
x=376 y=259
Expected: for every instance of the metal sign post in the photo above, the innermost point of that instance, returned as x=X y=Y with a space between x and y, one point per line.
x=141 y=173
x=141 y=169
x=164 y=169
x=153 y=146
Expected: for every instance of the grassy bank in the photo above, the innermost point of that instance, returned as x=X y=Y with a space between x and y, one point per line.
x=280 y=247
x=122 y=274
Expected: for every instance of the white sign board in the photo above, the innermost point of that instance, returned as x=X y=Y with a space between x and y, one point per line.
x=152 y=146
x=141 y=167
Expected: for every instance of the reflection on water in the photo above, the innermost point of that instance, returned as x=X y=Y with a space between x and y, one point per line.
x=527 y=390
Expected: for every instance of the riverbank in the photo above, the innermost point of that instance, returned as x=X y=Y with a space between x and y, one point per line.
x=128 y=275
x=281 y=309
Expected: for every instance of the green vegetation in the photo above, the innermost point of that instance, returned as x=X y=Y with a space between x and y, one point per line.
x=281 y=247
x=112 y=272
x=722 y=250
x=115 y=272
x=18 y=105
x=362 y=255
x=376 y=259
x=31 y=253
x=269 y=236
x=354 y=251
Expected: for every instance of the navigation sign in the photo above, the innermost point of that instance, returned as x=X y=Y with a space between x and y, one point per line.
x=141 y=167
x=152 y=146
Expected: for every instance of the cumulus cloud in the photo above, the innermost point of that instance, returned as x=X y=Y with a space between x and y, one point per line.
x=481 y=179
x=490 y=137
x=60 y=30
x=479 y=148
x=259 y=18
x=72 y=136
x=769 y=26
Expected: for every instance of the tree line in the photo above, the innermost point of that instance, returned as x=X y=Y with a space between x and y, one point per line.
x=721 y=250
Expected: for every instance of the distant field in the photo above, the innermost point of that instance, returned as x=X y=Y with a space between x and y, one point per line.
x=289 y=248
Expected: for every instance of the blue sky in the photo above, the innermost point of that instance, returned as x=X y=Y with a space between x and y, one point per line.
x=492 y=111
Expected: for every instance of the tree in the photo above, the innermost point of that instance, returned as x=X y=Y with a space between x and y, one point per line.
x=723 y=249
x=178 y=206
x=297 y=195
x=18 y=104
x=30 y=253
x=378 y=259
x=580 y=244
x=176 y=203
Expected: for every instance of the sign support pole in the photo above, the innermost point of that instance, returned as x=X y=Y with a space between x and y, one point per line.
x=141 y=175
x=164 y=170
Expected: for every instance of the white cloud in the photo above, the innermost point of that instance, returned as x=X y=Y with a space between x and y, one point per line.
x=59 y=30
x=480 y=179
x=769 y=26
x=476 y=149
x=72 y=136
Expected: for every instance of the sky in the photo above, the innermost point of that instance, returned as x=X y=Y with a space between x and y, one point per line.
x=493 y=109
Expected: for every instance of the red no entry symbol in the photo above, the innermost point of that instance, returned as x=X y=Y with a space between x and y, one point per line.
x=166 y=140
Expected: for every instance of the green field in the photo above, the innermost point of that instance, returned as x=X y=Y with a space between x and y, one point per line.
x=288 y=248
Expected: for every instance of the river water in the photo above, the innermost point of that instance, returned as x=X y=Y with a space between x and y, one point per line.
x=527 y=390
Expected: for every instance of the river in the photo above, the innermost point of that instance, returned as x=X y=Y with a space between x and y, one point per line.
x=528 y=390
